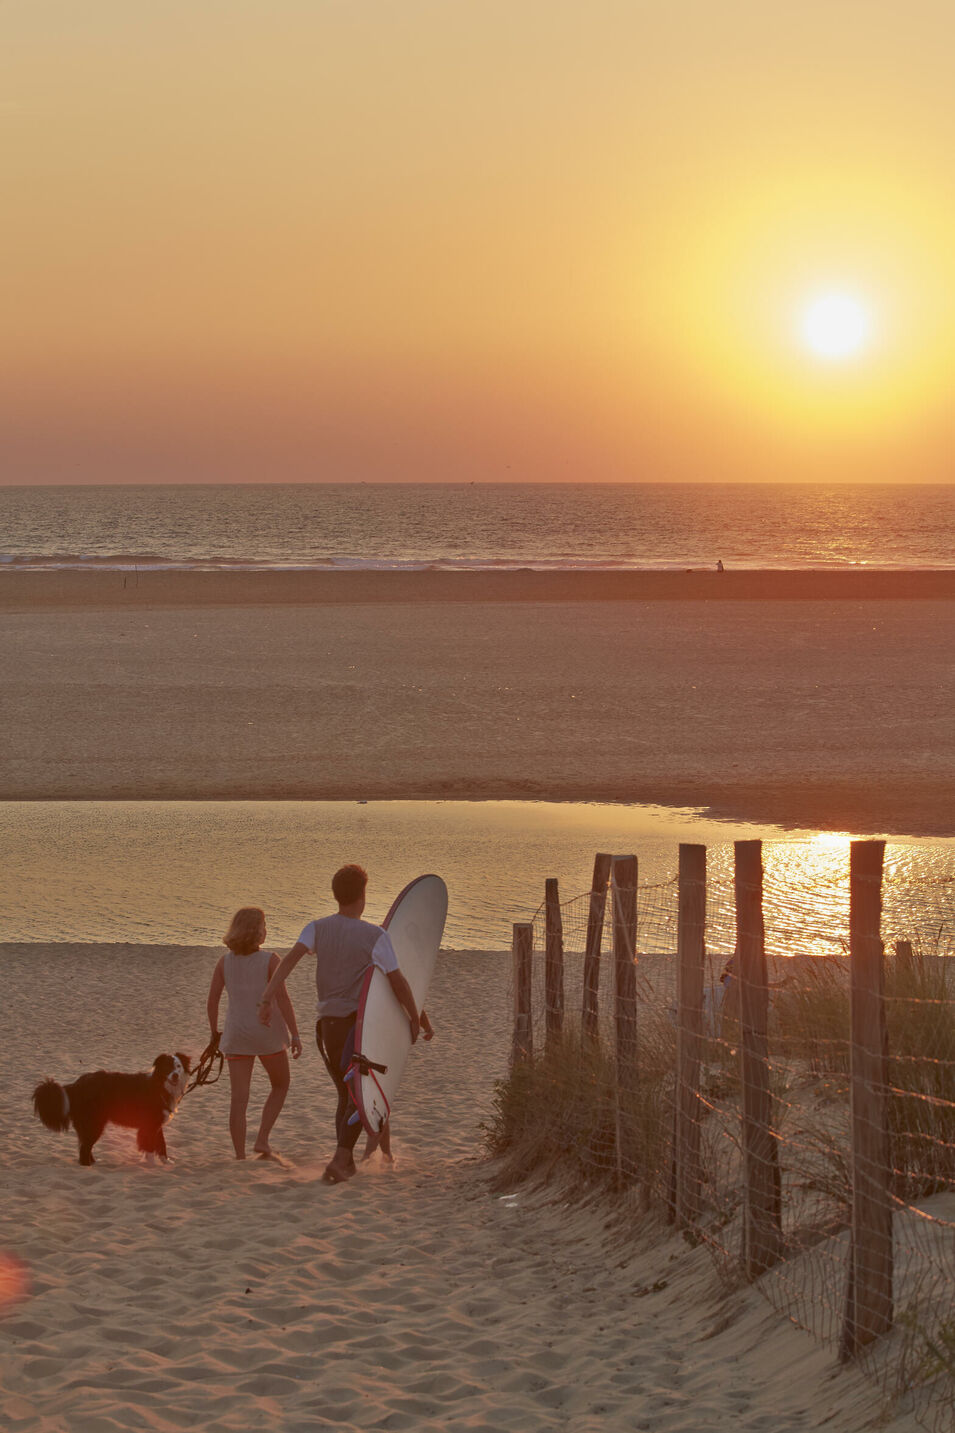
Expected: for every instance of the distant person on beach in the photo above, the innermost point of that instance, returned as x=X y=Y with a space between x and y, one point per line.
x=345 y=946
x=382 y=1140
x=729 y=1005
x=243 y=973
x=719 y=565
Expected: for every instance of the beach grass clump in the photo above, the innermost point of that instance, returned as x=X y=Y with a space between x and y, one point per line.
x=920 y=1015
x=567 y=1111
x=810 y=1018
x=810 y=1024
x=928 y=1354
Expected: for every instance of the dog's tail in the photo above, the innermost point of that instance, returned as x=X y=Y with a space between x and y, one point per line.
x=51 y=1104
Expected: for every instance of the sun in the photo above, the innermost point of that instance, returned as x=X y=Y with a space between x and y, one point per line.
x=836 y=326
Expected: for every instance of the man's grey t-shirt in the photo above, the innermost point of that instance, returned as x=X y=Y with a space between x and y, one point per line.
x=345 y=948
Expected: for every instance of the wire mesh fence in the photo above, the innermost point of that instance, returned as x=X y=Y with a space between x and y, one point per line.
x=771 y=1060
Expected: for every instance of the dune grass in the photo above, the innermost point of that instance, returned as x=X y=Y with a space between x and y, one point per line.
x=565 y=1110
x=920 y=1014
x=568 y=1107
x=810 y=1024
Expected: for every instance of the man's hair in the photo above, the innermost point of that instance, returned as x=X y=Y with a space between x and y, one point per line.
x=245 y=933
x=349 y=884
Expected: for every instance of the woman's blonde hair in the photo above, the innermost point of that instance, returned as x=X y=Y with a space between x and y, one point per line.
x=245 y=932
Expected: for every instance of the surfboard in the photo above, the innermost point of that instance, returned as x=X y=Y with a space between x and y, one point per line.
x=382 y=1033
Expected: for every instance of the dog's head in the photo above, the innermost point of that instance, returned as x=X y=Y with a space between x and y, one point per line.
x=172 y=1072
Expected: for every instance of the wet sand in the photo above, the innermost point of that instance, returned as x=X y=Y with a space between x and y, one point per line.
x=21 y=591
x=777 y=704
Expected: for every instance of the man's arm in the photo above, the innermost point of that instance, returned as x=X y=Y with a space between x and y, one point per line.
x=285 y=967
x=406 y=1000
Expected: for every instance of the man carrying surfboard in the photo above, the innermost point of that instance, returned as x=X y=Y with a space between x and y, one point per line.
x=345 y=947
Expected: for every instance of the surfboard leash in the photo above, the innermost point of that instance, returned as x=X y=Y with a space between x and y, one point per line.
x=364 y=1066
x=361 y=1065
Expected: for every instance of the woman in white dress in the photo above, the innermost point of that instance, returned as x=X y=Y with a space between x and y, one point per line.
x=243 y=973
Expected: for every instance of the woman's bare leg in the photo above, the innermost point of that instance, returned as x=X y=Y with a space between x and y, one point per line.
x=240 y=1079
x=276 y=1067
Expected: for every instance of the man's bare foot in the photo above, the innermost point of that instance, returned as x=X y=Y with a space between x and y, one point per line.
x=340 y=1167
x=334 y=1175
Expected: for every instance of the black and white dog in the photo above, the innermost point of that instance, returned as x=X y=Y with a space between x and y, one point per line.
x=142 y=1102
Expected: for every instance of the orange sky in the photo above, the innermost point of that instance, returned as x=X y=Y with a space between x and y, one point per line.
x=473 y=239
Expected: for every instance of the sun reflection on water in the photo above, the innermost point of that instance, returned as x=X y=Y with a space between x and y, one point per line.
x=831 y=841
x=806 y=900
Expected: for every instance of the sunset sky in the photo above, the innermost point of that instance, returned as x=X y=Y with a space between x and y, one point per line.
x=490 y=240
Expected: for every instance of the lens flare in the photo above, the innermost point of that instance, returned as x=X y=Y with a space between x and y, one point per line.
x=14 y=1282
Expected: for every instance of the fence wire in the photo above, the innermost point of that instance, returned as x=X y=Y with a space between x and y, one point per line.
x=610 y=1092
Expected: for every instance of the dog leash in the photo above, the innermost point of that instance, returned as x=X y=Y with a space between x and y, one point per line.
x=209 y=1057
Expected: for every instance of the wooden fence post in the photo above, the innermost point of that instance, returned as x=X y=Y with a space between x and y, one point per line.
x=691 y=961
x=522 y=946
x=624 y=897
x=553 y=965
x=904 y=958
x=589 y=1023
x=869 y=1296
x=762 y=1224
x=625 y=974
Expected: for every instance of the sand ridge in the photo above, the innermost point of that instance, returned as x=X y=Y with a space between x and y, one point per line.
x=244 y=1296
x=797 y=713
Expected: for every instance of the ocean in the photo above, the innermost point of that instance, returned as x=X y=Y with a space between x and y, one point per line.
x=587 y=525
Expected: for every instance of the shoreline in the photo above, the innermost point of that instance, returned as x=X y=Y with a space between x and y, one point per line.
x=71 y=588
x=903 y=808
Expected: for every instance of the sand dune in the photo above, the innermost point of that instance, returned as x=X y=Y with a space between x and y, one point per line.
x=244 y=1296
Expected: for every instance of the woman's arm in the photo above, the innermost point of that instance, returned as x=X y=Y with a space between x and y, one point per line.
x=284 y=1002
x=216 y=987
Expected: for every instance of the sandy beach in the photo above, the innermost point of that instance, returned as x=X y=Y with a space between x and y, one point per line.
x=803 y=699
x=208 y=1293
x=239 y=1296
